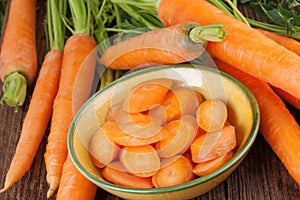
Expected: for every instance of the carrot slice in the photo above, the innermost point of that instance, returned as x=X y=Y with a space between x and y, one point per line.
x=212 y=145
x=202 y=169
x=102 y=148
x=146 y=94
x=182 y=133
x=211 y=115
x=111 y=130
x=177 y=172
x=116 y=173
x=141 y=125
x=142 y=161
x=180 y=101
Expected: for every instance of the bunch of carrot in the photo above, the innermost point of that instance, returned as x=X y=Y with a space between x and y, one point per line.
x=257 y=56
x=162 y=134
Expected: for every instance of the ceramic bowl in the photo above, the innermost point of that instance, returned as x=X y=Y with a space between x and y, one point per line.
x=243 y=113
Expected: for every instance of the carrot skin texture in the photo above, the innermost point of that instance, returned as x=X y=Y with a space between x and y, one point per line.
x=160 y=46
x=74 y=90
x=243 y=47
x=295 y=102
x=18 y=49
x=69 y=189
x=289 y=43
x=278 y=127
x=37 y=117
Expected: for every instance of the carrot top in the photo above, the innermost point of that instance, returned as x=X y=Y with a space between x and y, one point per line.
x=55 y=25
x=81 y=15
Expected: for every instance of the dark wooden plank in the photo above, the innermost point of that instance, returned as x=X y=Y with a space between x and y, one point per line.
x=260 y=176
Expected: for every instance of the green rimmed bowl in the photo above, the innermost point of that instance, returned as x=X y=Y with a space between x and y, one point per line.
x=243 y=113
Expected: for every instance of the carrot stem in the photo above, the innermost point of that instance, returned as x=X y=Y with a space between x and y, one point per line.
x=202 y=34
x=14 y=87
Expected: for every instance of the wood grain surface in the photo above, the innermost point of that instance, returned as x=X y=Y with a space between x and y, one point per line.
x=261 y=176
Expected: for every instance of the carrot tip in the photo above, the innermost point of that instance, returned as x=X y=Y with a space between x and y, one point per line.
x=50 y=192
x=14 y=89
x=4 y=189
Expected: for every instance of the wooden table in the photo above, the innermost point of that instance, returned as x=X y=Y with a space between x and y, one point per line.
x=260 y=176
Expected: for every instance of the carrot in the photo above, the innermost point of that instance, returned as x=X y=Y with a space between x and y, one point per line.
x=212 y=145
x=295 y=102
x=160 y=46
x=211 y=115
x=243 y=47
x=278 y=126
x=112 y=131
x=40 y=107
x=177 y=172
x=285 y=41
x=182 y=133
x=142 y=161
x=181 y=101
x=18 y=57
x=202 y=169
x=117 y=174
x=102 y=149
x=294 y=46
x=73 y=180
x=75 y=85
x=146 y=95
x=36 y=119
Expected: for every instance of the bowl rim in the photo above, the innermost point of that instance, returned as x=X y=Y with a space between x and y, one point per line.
x=235 y=159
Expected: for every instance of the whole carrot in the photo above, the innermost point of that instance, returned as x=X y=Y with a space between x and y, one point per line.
x=176 y=44
x=40 y=107
x=74 y=90
x=73 y=180
x=278 y=126
x=18 y=57
x=78 y=67
x=244 y=47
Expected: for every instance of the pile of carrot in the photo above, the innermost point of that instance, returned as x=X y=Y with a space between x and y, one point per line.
x=159 y=129
x=267 y=63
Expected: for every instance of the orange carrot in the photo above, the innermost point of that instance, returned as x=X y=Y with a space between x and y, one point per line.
x=37 y=117
x=211 y=115
x=278 y=126
x=74 y=90
x=294 y=46
x=177 y=172
x=112 y=131
x=182 y=133
x=160 y=46
x=78 y=67
x=295 y=102
x=40 y=107
x=202 y=169
x=102 y=148
x=146 y=95
x=212 y=145
x=243 y=46
x=181 y=101
x=117 y=174
x=287 y=42
x=140 y=125
x=18 y=57
x=142 y=161
x=69 y=181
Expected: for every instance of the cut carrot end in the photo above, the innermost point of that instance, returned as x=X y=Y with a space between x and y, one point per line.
x=14 y=88
x=211 y=115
